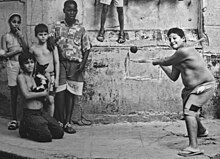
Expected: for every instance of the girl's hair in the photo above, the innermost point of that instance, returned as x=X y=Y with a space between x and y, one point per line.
x=177 y=31
x=14 y=15
x=24 y=57
x=43 y=28
x=68 y=2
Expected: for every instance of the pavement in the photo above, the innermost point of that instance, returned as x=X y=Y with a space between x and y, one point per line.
x=136 y=140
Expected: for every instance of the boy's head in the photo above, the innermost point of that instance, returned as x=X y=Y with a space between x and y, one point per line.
x=27 y=62
x=41 y=32
x=176 y=37
x=70 y=10
x=14 y=21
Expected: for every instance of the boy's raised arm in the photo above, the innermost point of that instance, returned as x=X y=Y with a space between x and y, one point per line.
x=173 y=73
x=176 y=58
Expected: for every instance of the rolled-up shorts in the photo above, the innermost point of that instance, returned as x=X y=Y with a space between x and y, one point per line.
x=69 y=78
x=117 y=3
x=13 y=69
x=194 y=99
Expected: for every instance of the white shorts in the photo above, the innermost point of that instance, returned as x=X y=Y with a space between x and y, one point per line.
x=73 y=87
x=117 y=3
x=13 y=69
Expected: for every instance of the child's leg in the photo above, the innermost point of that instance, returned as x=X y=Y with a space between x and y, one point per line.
x=13 y=125
x=201 y=128
x=51 y=105
x=60 y=106
x=192 y=127
x=55 y=129
x=103 y=16
x=69 y=106
x=23 y=129
x=121 y=36
x=36 y=126
x=121 y=18
x=191 y=113
x=69 y=110
x=14 y=96
x=101 y=33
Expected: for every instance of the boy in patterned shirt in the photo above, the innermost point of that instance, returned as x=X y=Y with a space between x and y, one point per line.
x=73 y=47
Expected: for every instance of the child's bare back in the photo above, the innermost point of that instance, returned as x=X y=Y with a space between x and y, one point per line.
x=192 y=67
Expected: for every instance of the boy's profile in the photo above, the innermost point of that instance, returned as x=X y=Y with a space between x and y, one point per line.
x=105 y=6
x=35 y=124
x=46 y=53
x=198 y=81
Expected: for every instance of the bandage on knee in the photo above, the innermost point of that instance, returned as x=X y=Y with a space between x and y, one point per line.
x=192 y=111
x=194 y=108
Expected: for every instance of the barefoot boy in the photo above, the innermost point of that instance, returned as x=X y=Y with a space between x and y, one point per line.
x=35 y=124
x=198 y=81
x=44 y=53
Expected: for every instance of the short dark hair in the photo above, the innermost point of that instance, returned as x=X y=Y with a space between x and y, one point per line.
x=177 y=31
x=14 y=15
x=68 y=2
x=40 y=28
x=24 y=57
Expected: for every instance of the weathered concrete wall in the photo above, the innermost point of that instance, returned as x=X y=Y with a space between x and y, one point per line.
x=107 y=89
x=212 y=49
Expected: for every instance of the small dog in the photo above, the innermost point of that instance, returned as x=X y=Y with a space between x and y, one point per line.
x=40 y=78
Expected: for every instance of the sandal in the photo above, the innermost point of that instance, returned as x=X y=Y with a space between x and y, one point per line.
x=205 y=134
x=121 y=38
x=83 y=122
x=69 y=129
x=100 y=36
x=13 y=125
x=190 y=152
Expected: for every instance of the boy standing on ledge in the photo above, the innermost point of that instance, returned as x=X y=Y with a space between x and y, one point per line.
x=105 y=6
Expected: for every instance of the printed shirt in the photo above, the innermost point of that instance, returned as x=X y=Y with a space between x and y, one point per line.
x=72 y=41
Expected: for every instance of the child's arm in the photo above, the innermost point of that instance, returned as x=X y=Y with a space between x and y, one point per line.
x=176 y=58
x=173 y=73
x=8 y=53
x=26 y=93
x=83 y=63
x=150 y=60
x=56 y=66
x=24 y=45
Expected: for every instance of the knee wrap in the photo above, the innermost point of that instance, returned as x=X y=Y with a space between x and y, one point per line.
x=192 y=111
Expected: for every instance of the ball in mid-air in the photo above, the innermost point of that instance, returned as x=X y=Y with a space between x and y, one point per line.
x=133 y=49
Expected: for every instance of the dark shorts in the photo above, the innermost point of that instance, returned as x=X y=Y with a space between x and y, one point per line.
x=68 y=71
x=39 y=126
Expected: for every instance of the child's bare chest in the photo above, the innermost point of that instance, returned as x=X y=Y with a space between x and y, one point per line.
x=30 y=83
x=43 y=52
